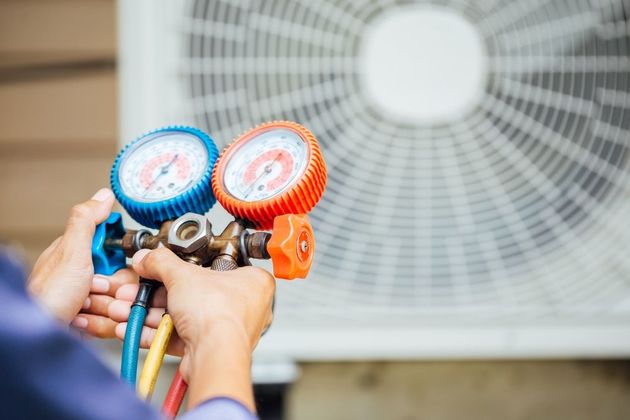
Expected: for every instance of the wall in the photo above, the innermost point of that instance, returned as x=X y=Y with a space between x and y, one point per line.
x=57 y=113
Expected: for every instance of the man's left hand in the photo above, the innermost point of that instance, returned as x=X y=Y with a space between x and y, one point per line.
x=63 y=276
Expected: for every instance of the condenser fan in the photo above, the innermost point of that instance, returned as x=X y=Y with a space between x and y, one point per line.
x=477 y=152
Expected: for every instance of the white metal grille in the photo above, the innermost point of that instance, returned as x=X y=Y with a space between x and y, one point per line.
x=512 y=212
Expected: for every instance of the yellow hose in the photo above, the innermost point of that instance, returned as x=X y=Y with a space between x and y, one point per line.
x=153 y=362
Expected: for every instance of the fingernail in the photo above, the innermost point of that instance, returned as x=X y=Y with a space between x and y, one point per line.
x=80 y=322
x=102 y=194
x=86 y=303
x=139 y=256
x=100 y=284
x=120 y=331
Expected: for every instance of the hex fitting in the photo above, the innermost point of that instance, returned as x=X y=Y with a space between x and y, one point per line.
x=189 y=232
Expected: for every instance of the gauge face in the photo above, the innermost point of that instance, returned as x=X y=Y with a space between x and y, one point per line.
x=266 y=165
x=162 y=166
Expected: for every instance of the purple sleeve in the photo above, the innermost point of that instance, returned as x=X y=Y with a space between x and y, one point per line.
x=220 y=408
x=46 y=372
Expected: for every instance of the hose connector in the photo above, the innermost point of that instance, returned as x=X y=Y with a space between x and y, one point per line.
x=145 y=292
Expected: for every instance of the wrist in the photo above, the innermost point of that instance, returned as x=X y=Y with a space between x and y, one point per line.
x=220 y=365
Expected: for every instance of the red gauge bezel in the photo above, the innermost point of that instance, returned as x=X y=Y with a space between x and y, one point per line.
x=298 y=198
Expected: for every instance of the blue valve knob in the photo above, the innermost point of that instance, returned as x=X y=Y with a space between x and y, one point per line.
x=108 y=261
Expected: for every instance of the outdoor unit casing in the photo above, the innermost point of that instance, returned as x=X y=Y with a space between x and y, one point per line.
x=477 y=203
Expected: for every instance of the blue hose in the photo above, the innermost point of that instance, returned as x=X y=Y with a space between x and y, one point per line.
x=131 y=345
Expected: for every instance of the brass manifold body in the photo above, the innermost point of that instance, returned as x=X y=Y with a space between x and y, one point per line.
x=190 y=237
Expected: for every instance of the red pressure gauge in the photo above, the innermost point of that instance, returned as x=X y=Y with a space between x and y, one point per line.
x=272 y=176
x=274 y=169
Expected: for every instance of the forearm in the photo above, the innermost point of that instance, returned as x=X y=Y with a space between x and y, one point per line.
x=220 y=366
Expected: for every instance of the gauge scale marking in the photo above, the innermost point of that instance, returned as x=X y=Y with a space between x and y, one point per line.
x=273 y=169
x=162 y=166
x=266 y=165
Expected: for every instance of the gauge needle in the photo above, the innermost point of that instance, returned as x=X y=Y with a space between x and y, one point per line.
x=266 y=171
x=163 y=171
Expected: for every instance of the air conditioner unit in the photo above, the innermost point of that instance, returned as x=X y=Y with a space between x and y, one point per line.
x=478 y=154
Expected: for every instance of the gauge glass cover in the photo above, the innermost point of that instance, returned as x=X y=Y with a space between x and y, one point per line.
x=162 y=166
x=266 y=165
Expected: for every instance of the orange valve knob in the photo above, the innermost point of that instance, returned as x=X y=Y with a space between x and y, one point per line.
x=291 y=246
x=274 y=169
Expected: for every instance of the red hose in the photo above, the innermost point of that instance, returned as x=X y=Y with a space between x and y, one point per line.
x=174 y=396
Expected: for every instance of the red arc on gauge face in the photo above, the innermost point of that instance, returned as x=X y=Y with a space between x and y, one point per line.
x=270 y=157
x=147 y=176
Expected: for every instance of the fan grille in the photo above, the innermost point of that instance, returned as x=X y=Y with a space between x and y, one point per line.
x=511 y=211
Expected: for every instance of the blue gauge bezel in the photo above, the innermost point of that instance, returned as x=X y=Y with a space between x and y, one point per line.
x=196 y=199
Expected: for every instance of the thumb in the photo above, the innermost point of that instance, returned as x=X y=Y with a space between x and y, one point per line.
x=83 y=220
x=160 y=264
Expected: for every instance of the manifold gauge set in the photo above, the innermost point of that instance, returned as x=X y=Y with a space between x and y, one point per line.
x=269 y=179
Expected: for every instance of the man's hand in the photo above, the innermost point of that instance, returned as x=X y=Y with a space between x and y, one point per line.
x=219 y=318
x=63 y=276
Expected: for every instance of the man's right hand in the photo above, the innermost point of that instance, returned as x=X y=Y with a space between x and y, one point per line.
x=219 y=318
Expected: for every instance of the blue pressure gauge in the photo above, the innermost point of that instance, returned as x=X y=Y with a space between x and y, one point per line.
x=164 y=174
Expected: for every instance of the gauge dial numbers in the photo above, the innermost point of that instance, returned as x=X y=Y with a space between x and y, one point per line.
x=162 y=166
x=164 y=174
x=265 y=165
x=276 y=168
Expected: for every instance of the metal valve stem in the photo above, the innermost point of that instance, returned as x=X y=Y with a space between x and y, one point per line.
x=190 y=237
